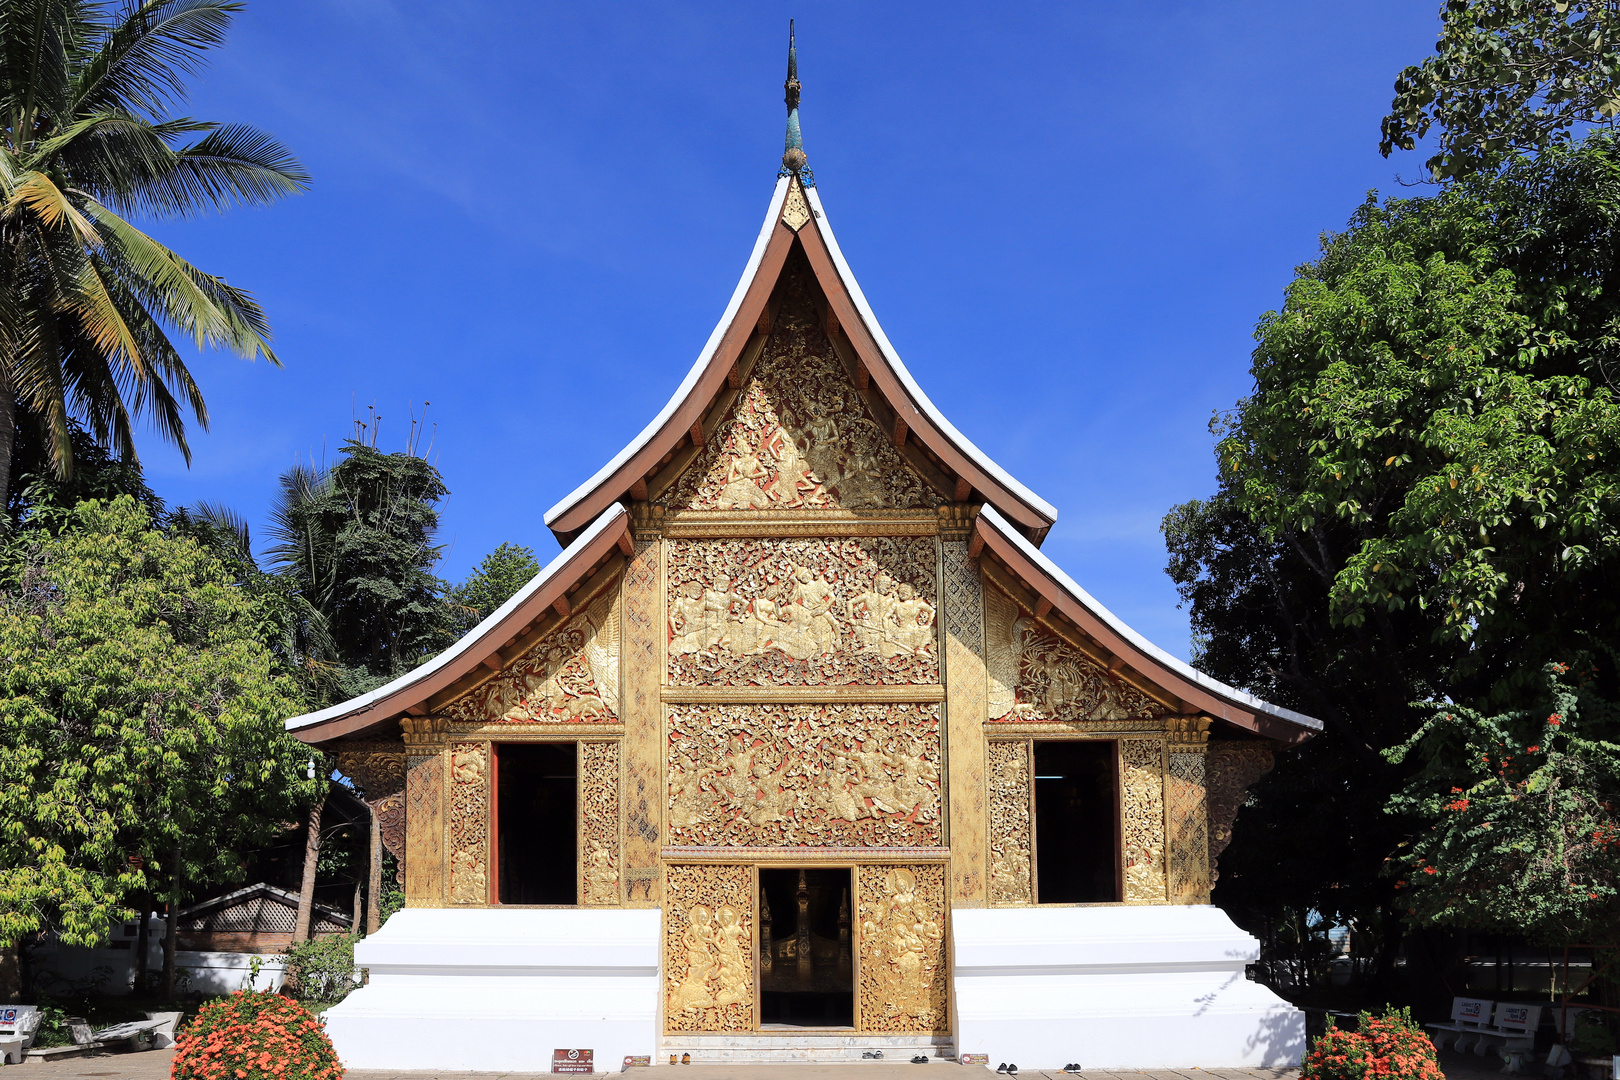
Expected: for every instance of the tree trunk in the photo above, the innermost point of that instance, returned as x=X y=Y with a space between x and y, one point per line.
x=8 y=440
x=374 y=885
x=143 y=944
x=312 y=855
x=173 y=925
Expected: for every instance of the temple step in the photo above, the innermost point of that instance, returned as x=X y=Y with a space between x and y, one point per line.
x=786 y=1045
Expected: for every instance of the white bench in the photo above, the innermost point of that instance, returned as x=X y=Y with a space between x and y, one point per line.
x=18 y=1023
x=1470 y=1019
x=1515 y=1025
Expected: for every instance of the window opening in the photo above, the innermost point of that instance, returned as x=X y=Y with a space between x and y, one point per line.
x=537 y=822
x=1076 y=822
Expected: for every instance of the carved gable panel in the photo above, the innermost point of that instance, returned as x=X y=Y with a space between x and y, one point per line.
x=1036 y=675
x=854 y=611
x=570 y=676
x=799 y=434
x=804 y=775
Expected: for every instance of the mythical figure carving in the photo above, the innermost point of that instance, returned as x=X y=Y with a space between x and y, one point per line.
x=816 y=775
x=599 y=822
x=1035 y=675
x=1142 y=803
x=1229 y=769
x=802 y=612
x=799 y=434
x=708 y=948
x=571 y=676
x=1010 y=848
x=903 y=967
x=469 y=823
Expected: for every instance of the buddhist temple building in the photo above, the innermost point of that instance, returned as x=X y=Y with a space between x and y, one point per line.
x=802 y=750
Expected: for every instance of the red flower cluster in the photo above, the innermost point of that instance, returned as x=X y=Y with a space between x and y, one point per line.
x=255 y=1036
x=1388 y=1047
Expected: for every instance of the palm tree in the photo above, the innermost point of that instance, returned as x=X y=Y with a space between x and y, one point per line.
x=87 y=143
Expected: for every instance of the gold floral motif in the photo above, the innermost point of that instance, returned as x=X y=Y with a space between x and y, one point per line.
x=825 y=612
x=810 y=775
x=1010 y=855
x=599 y=823
x=795 y=208
x=903 y=968
x=1036 y=675
x=799 y=433
x=571 y=676
x=1229 y=769
x=708 y=948
x=378 y=771
x=469 y=823
x=390 y=812
x=1142 y=803
x=424 y=830
x=1188 y=824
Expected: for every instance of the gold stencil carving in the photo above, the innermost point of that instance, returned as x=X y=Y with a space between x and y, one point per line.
x=903 y=967
x=1142 y=802
x=799 y=433
x=708 y=948
x=643 y=724
x=1036 y=675
x=424 y=830
x=1229 y=769
x=599 y=823
x=802 y=612
x=965 y=715
x=377 y=770
x=469 y=823
x=1188 y=825
x=795 y=208
x=1010 y=849
x=804 y=775
x=571 y=676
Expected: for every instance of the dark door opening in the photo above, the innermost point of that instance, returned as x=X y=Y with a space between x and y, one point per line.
x=536 y=822
x=1076 y=823
x=806 y=968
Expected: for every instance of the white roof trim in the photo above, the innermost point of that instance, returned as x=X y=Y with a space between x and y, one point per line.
x=963 y=443
x=681 y=392
x=1174 y=664
x=472 y=637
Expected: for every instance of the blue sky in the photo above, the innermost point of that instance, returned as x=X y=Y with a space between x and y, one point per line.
x=1068 y=218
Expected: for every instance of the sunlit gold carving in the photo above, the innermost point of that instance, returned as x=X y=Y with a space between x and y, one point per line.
x=903 y=967
x=1010 y=851
x=469 y=823
x=1142 y=803
x=570 y=676
x=1187 y=822
x=643 y=724
x=812 y=775
x=424 y=830
x=708 y=948
x=599 y=823
x=795 y=208
x=965 y=716
x=378 y=771
x=1229 y=769
x=802 y=612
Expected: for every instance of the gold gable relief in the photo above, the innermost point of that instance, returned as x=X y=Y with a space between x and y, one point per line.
x=795 y=208
x=1035 y=675
x=570 y=676
x=799 y=436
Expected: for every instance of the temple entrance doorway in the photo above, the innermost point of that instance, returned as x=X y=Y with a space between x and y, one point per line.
x=807 y=968
x=536 y=823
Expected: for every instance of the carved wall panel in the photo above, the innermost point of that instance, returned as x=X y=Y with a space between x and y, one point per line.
x=1036 y=675
x=570 y=676
x=965 y=713
x=904 y=974
x=799 y=434
x=815 y=775
x=469 y=823
x=708 y=948
x=599 y=823
x=1142 y=806
x=1229 y=769
x=1187 y=821
x=424 y=830
x=1011 y=852
x=643 y=723
x=802 y=612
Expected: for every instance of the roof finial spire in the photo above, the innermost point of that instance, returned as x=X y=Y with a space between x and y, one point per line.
x=793 y=159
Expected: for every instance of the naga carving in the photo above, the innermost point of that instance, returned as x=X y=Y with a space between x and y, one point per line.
x=1142 y=806
x=799 y=434
x=1229 y=769
x=1010 y=848
x=813 y=775
x=802 y=612
x=469 y=823
x=1036 y=675
x=709 y=948
x=903 y=966
x=571 y=676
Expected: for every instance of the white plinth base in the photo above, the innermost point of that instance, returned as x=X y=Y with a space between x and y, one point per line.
x=781 y=1045
x=500 y=989
x=1115 y=988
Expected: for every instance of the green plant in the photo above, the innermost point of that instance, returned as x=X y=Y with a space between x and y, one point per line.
x=322 y=969
x=255 y=1036
x=53 y=1029
x=1594 y=1035
x=1388 y=1046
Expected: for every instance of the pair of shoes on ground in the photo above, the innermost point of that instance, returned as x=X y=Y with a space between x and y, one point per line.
x=920 y=1059
x=1010 y=1070
x=1072 y=1067
x=871 y=1053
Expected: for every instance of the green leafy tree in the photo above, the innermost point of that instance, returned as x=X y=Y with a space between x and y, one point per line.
x=141 y=716
x=88 y=142
x=494 y=581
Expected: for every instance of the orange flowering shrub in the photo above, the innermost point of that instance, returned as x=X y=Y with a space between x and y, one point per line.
x=255 y=1036
x=1389 y=1046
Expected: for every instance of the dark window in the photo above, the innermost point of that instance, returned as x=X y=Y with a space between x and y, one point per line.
x=536 y=822
x=1076 y=823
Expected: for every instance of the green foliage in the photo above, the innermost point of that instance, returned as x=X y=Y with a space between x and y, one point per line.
x=1388 y=1046
x=1508 y=77
x=1521 y=815
x=322 y=968
x=494 y=581
x=254 y=1036
x=141 y=716
x=41 y=498
x=393 y=895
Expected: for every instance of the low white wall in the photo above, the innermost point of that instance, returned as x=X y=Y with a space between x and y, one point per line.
x=1149 y=987
x=498 y=989
x=112 y=971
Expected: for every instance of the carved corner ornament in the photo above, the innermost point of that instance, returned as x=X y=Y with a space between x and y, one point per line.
x=423 y=734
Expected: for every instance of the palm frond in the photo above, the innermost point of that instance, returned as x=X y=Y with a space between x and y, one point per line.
x=37 y=37
x=146 y=52
x=37 y=193
x=228 y=523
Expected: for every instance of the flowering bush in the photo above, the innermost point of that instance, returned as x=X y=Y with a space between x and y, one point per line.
x=1389 y=1046
x=255 y=1036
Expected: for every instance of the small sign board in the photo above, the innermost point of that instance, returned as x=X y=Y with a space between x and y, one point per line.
x=974 y=1059
x=572 y=1061
x=637 y=1061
